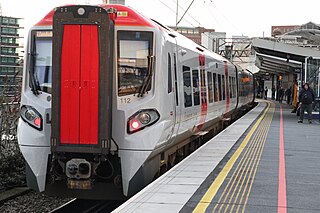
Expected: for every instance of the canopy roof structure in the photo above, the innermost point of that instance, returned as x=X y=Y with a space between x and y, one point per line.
x=276 y=57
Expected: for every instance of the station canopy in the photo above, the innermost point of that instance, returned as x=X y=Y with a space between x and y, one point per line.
x=276 y=57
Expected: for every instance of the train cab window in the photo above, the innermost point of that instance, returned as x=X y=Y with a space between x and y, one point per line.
x=215 y=88
x=196 y=87
x=223 y=88
x=210 y=87
x=134 y=49
x=40 y=65
x=219 y=87
x=169 y=74
x=187 y=86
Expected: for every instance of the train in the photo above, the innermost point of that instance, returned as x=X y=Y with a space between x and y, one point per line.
x=111 y=99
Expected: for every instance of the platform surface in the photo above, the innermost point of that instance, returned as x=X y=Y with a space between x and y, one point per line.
x=264 y=162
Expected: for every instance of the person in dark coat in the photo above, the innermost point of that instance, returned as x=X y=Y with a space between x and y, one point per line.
x=306 y=97
x=288 y=94
x=280 y=94
x=266 y=93
x=273 y=90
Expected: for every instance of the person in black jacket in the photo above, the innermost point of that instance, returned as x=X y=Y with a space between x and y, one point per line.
x=306 y=97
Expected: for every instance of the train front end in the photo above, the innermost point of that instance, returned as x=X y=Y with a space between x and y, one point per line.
x=92 y=113
x=82 y=156
x=66 y=109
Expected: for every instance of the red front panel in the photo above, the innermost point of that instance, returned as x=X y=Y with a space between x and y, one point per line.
x=89 y=85
x=70 y=78
x=80 y=84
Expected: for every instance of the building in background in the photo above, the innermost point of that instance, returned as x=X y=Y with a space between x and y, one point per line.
x=10 y=56
x=193 y=33
x=280 y=30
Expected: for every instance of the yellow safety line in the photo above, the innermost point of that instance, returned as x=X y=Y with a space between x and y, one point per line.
x=213 y=189
x=255 y=171
x=244 y=172
x=235 y=175
x=259 y=140
x=249 y=177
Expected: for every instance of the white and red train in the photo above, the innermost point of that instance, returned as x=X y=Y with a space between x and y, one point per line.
x=111 y=98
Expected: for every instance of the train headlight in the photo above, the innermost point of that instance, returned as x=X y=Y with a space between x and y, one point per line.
x=31 y=116
x=142 y=119
x=145 y=118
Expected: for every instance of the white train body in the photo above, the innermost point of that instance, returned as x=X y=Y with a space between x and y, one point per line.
x=189 y=89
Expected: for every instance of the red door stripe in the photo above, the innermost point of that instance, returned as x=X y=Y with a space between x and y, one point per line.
x=70 y=77
x=89 y=85
x=203 y=93
x=282 y=183
x=80 y=85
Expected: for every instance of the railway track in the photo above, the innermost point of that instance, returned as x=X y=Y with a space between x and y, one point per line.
x=87 y=206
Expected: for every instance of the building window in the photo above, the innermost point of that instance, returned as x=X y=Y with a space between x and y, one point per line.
x=5 y=20
x=8 y=40
x=12 y=21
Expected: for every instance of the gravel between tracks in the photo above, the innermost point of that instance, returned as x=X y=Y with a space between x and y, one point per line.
x=32 y=202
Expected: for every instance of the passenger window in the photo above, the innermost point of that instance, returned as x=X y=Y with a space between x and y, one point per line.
x=215 y=88
x=234 y=86
x=196 y=87
x=219 y=87
x=187 y=86
x=169 y=74
x=210 y=87
x=175 y=78
x=223 y=88
x=230 y=86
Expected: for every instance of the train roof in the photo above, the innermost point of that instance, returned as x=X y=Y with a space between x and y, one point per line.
x=126 y=16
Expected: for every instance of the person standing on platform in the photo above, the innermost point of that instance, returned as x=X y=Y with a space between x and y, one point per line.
x=306 y=97
x=273 y=90
x=265 y=93
x=280 y=91
x=288 y=94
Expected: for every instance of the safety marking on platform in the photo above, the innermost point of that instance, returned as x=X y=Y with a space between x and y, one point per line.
x=282 y=186
x=253 y=149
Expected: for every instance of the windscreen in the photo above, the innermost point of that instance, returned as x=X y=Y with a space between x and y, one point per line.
x=133 y=51
x=41 y=60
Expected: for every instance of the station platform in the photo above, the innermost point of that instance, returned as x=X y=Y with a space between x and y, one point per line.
x=263 y=162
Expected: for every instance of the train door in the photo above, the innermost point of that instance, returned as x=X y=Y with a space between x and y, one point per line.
x=82 y=79
x=175 y=95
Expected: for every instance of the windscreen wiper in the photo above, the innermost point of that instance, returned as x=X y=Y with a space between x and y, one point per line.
x=34 y=84
x=147 y=80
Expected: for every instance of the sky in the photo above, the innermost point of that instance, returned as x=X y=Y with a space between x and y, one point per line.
x=252 y=18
